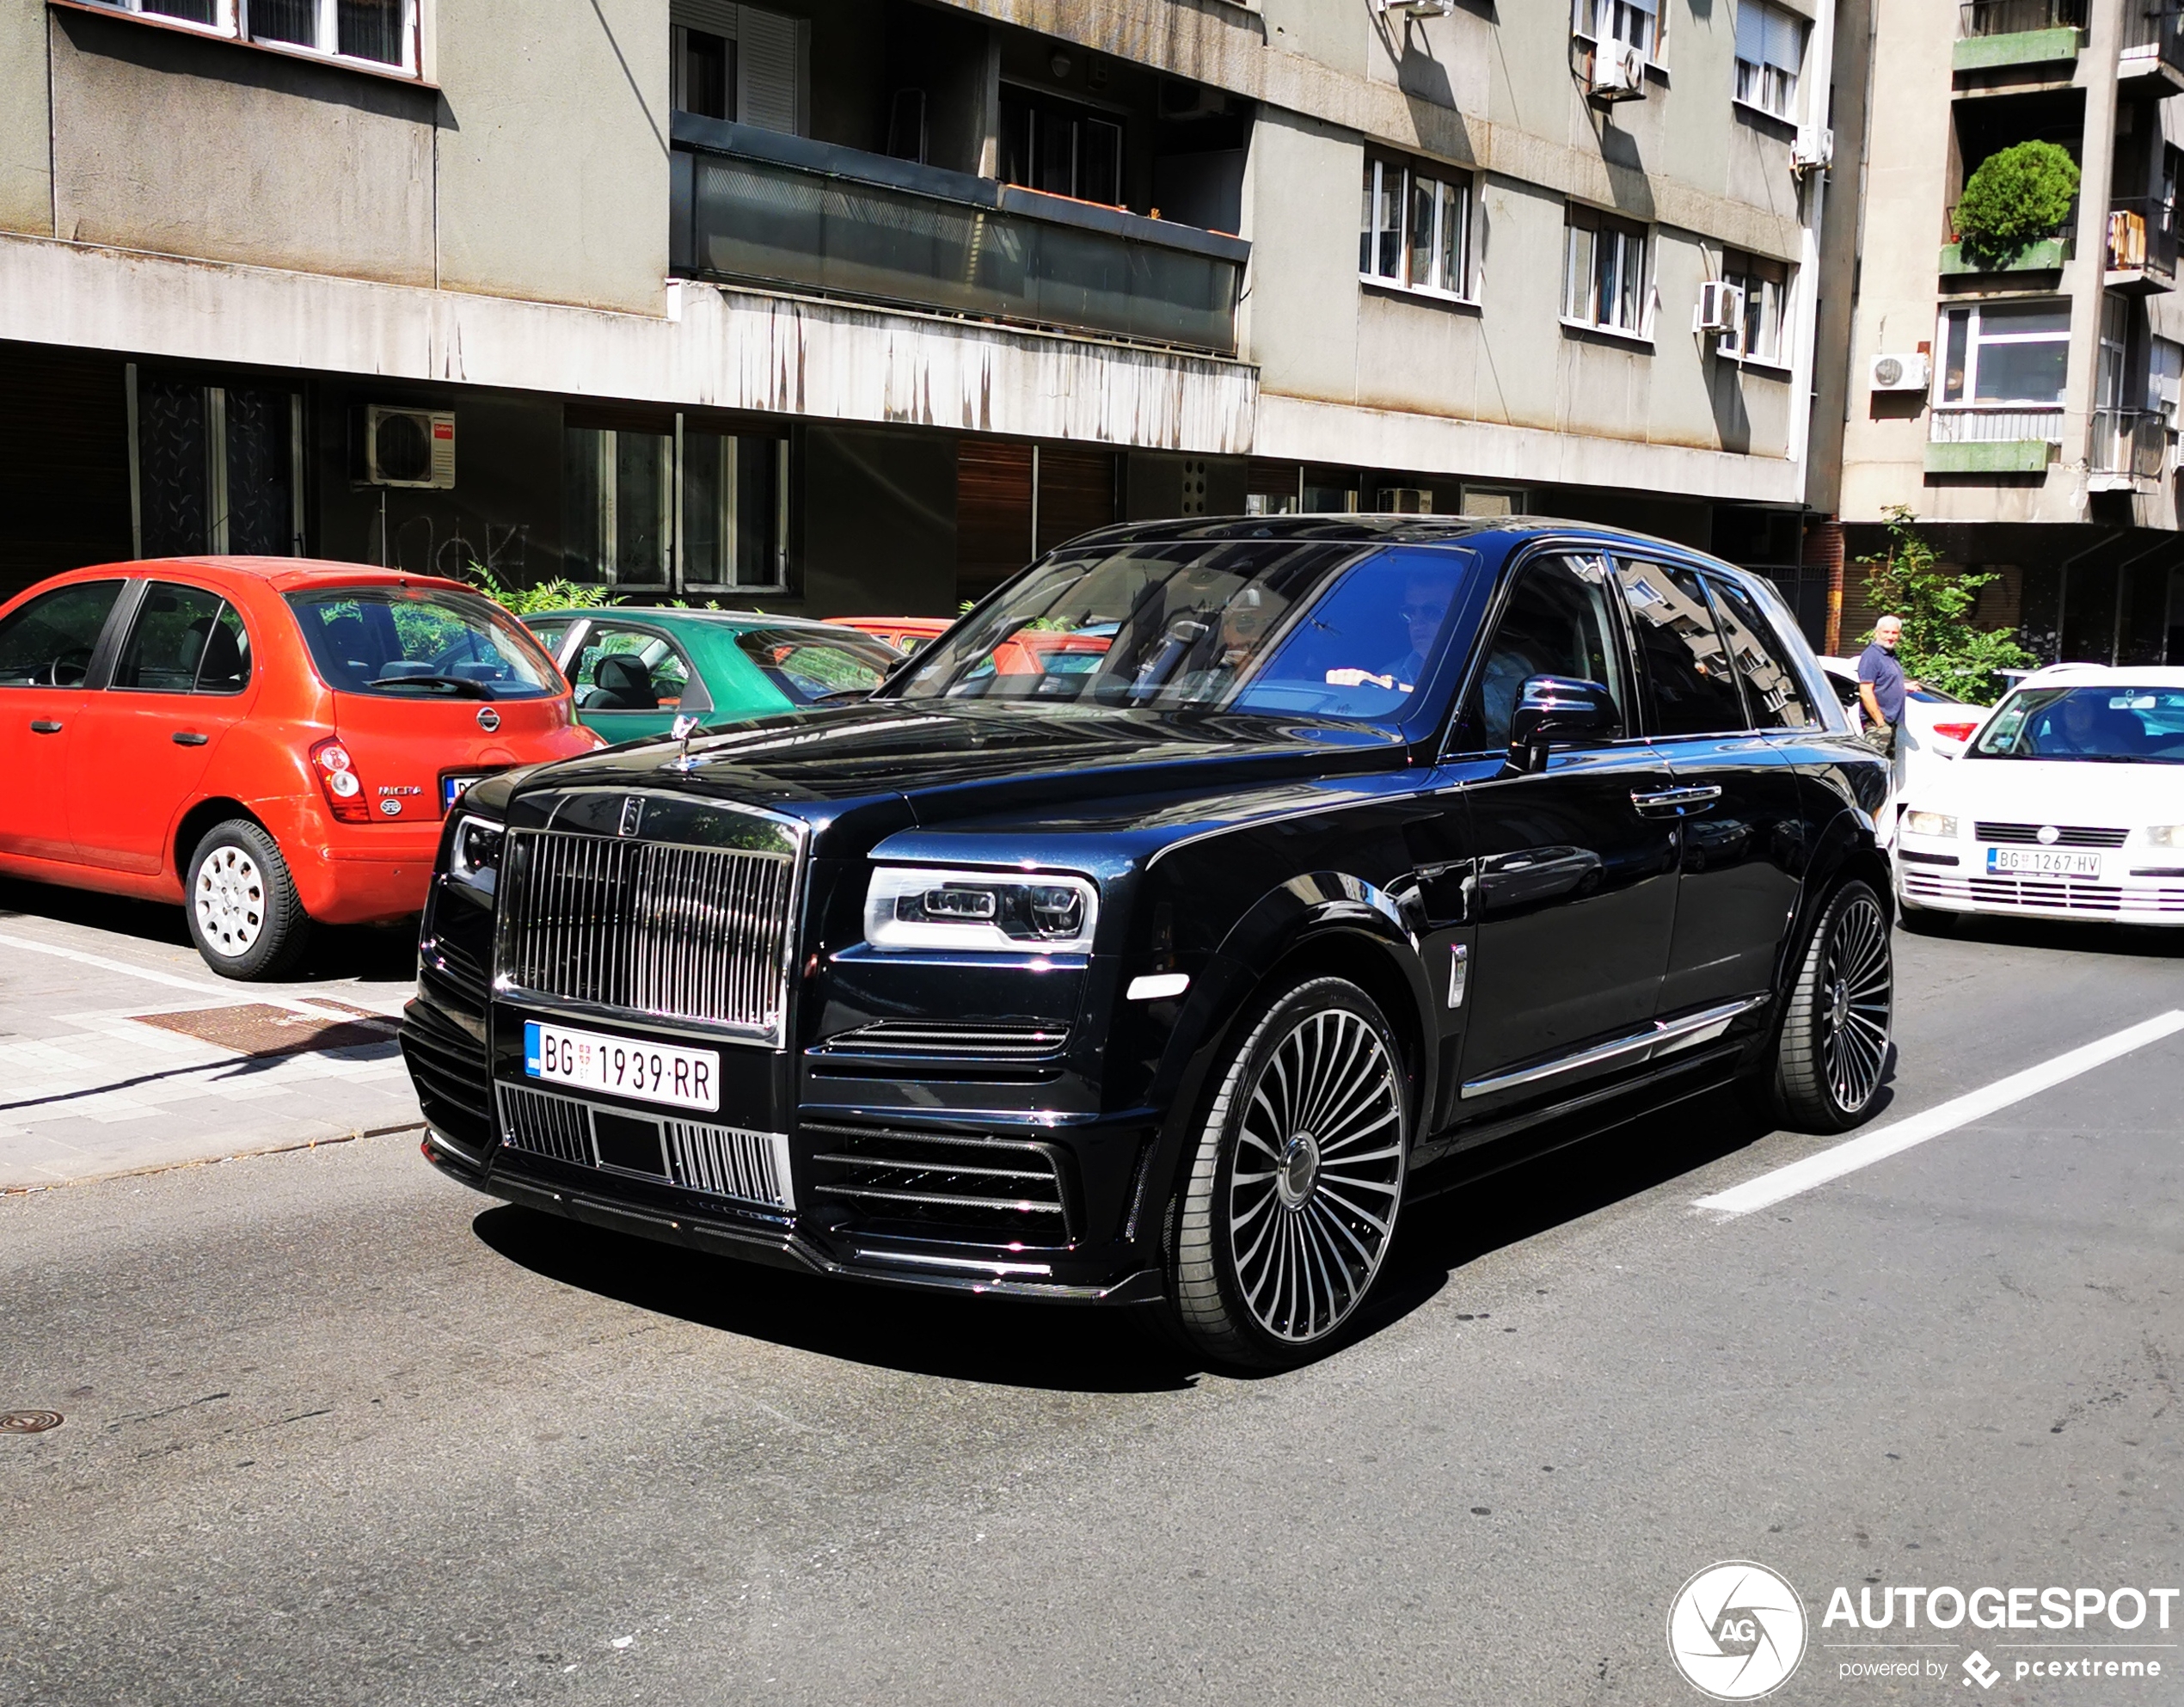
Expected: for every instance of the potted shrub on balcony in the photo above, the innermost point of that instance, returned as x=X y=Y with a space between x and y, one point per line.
x=2014 y=212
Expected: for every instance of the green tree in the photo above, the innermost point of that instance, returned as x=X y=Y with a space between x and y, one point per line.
x=1941 y=647
x=2017 y=196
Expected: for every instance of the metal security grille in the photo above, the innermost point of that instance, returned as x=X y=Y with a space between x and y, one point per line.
x=2067 y=835
x=649 y=928
x=750 y=1167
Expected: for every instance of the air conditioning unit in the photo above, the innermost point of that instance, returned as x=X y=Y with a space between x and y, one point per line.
x=410 y=447
x=1813 y=150
x=1721 y=307
x=1618 y=72
x=1900 y=373
x=1416 y=9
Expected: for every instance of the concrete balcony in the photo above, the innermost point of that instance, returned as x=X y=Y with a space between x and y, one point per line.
x=2153 y=45
x=1962 y=258
x=2141 y=246
x=764 y=207
x=1993 y=439
x=1996 y=34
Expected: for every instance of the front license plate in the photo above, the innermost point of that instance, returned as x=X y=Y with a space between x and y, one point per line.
x=645 y=1073
x=2048 y=862
x=451 y=788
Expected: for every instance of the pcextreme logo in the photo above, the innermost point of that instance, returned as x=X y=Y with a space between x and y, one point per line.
x=1736 y=1631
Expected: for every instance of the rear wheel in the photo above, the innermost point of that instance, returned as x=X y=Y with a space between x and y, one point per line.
x=244 y=914
x=1283 y=1220
x=1832 y=1050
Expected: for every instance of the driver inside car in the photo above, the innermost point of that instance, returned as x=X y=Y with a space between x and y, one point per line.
x=1425 y=602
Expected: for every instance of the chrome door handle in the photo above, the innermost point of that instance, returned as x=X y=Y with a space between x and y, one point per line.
x=189 y=738
x=1675 y=802
x=44 y=726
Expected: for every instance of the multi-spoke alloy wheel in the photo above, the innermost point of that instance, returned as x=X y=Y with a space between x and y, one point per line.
x=1292 y=1200
x=244 y=913
x=1833 y=1051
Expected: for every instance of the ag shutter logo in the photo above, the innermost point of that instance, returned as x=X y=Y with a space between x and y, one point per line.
x=1736 y=1631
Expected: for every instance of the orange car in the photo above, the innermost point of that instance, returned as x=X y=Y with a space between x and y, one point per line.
x=905 y=634
x=270 y=742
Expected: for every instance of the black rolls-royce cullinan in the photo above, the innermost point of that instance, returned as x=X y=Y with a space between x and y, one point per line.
x=1158 y=933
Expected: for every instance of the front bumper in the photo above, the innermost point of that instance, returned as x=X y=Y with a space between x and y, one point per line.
x=2135 y=886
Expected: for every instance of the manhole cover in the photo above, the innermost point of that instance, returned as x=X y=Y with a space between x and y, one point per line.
x=257 y=1028
x=28 y=1422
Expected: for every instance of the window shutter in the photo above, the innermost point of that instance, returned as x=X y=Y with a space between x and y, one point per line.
x=766 y=65
x=715 y=17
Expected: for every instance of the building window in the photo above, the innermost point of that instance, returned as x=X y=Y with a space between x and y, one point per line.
x=1414 y=228
x=1636 y=22
x=219 y=468
x=2164 y=374
x=1770 y=52
x=2005 y=352
x=376 y=33
x=1060 y=147
x=1765 y=285
x=742 y=64
x=685 y=508
x=1605 y=282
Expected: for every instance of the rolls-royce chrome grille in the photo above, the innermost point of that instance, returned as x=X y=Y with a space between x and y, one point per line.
x=654 y=929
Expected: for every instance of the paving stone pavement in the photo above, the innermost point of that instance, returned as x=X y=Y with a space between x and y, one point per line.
x=89 y=1089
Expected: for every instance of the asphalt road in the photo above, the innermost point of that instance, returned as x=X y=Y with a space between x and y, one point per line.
x=339 y=1431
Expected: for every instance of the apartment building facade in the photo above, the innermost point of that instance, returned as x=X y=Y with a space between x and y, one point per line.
x=841 y=305
x=2023 y=405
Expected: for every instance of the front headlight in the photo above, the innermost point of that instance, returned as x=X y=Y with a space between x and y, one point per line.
x=1930 y=824
x=907 y=907
x=474 y=852
x=2166 y=835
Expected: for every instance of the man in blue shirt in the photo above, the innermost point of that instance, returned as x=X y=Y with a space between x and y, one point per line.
x=1881 y=684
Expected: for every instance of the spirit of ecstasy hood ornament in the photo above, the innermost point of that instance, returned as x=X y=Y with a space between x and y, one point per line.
x=685 y=727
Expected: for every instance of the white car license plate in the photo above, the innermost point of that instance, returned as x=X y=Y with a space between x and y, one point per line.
x=452 y=789
x=645 y=1073
x=2045 y=862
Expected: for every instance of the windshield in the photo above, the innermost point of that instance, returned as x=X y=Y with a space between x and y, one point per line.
x=2105 y=724
x=421 y=642
x=1304 y=626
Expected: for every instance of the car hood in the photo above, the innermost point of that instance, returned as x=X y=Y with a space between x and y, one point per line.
x=2066 y=791
x=898 y=764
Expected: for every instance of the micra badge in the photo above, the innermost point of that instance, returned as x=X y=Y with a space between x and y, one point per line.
x=633 y=813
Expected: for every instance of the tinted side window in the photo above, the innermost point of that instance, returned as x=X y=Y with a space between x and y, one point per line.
x=1771 y=689
x=1557 y=622
x=48 y=642
x=1694 y=689
x=186 y=640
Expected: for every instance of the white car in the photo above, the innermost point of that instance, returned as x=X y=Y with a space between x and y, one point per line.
x=1937 y=724
x=2067 y=803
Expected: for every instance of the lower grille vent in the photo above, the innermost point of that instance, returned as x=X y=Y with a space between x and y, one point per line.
x=727 y=1161
x=971 y=1185
x=448 y=1067
x=970 y=1040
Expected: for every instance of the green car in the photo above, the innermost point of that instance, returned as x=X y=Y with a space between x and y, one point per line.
x=636 y=668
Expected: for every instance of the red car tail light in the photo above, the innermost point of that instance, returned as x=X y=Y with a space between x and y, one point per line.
x=1955 y=731
x=344 y=788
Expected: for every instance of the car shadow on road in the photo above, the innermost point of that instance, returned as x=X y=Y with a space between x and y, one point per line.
x=1516 y=1191
x=2055 y=935
x=370 y=952
x=998 y=1340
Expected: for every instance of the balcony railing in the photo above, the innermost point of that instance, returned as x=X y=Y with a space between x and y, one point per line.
x=2134 y=442
x=2142 y=237
x=1991 y=424
x=2153 y=33
x=761 y=206
x=2016 y=17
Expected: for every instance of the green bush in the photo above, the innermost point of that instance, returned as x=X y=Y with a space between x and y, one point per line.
x=2017 y=197
x=561 y=594
x=1940 y=647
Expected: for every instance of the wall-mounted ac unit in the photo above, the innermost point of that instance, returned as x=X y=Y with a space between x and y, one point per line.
x=1900 y=373
x=1721 y=307
x=1813 y=150
x=1416 y=9
x=410 y=447
x=1618 y=72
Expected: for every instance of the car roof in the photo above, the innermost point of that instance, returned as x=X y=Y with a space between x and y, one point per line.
x=1372 y=529
x=283 y=574
x=2142 y=675
x=677 y=613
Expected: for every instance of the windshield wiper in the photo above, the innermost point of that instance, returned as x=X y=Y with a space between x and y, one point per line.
x=461 y=686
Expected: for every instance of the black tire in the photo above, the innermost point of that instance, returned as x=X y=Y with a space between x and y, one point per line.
x=1267 y=1264
x=1832 y=1052
x=243 y=912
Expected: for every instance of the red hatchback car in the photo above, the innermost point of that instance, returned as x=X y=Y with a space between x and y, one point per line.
x=269 y=741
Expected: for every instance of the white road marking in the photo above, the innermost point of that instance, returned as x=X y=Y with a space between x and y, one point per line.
x=227 y=995
x=1865 y=1149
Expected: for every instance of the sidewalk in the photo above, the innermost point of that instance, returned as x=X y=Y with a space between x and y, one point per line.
x=121 y=1053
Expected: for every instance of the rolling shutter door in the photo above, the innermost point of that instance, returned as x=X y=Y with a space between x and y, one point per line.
x=768 y=59
x=992 y=513
x=1075 y=492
